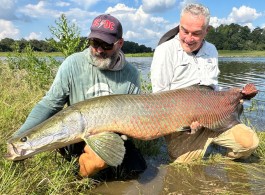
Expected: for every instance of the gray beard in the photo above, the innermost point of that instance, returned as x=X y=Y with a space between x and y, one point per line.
x=105 y=63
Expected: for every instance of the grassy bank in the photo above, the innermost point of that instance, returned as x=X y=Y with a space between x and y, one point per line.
x=222 y=53
x=139 y=55
x=58 y=54
x=228 y=53
x=39 y=54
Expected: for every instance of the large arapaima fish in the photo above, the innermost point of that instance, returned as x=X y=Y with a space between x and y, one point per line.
x=145 y=117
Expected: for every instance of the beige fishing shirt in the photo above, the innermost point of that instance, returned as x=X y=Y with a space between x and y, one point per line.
x=173 y=68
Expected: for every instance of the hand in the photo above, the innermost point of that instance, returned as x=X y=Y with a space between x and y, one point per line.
x=194 y=127
x=124 y=137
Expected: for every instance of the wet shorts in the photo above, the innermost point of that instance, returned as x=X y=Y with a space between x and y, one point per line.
x=238 y=142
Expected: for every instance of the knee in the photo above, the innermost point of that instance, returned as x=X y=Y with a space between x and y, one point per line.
x=246 y=137
x=255 y=139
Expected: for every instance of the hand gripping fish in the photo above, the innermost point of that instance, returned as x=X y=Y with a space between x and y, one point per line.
x=145 y=117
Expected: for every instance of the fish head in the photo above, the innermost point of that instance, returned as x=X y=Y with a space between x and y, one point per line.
x=19 y=149
x=44 y=137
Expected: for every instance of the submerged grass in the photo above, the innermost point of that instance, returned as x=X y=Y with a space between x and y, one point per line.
x=220 y=175
x=46 y=173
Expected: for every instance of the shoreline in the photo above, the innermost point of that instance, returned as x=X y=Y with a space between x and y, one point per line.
x=222 y=53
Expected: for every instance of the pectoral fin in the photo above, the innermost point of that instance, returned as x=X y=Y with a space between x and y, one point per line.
x=108 y=146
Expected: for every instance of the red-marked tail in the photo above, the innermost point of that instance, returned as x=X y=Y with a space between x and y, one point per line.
x=249 y=91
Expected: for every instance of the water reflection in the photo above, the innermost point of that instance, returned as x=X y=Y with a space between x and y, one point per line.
x=222 y=178
x=242 y=59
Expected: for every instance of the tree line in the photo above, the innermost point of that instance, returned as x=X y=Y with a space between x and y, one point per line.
x=224 y=37
x=10 y=45
x=236 y=37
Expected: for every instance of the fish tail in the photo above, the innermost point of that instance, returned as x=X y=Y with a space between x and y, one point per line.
x=108 y=146
x=249 y=91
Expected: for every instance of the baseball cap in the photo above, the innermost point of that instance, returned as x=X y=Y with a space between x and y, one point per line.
x=106 y=28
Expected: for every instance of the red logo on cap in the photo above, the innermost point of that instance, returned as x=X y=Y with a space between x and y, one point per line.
x=104 y=23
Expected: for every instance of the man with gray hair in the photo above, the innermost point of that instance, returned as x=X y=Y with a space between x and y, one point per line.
x=184 y=58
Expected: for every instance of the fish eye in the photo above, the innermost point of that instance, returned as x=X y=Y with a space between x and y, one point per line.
x=23 y=139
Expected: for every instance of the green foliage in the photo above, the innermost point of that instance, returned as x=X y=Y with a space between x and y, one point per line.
x=68 y=36
x=260 y=151
x=149 y=54
x=146 y=86
x=6 y=44
x=241 y=53
x=132 y=47
x=39 y=70
x=236 y=37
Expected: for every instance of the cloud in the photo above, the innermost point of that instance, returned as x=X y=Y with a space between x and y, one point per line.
x=139 y=26
x=183 y=3
x=39 y=10
x=243 y=16
x=215 y=22
x=77 y=13
x=7 y=8
x=86 y=4
x=120 y=8
x=150 y=6
x=62 y=4
x=7 y=29
x=33 y=36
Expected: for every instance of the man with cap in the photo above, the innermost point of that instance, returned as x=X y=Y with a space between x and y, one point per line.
x=99 y=70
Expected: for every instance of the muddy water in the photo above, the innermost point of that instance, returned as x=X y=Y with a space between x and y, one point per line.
x=216 y=178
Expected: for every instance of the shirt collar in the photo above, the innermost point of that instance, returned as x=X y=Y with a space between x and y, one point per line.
x=203 y=50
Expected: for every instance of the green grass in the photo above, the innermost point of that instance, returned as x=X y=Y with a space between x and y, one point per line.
x=139 y=55
x=46 y=173
x=59 y=54
x=39 y=54
x=244 y=53
x=222 y=53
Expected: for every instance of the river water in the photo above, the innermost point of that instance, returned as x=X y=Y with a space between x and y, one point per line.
x=212 y=178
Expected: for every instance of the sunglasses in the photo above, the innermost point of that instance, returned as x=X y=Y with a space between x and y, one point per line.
x=97 y=43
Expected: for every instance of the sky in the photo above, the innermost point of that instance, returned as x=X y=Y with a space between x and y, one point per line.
x=144 y=21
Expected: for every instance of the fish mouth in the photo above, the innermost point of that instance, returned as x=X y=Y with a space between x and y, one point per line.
x=14 y=154
x=8 y=156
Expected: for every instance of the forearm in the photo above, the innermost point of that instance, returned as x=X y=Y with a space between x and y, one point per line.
x=38 y=114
